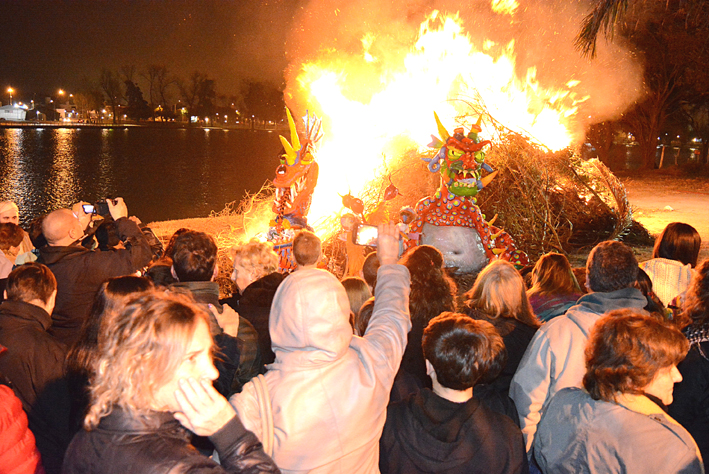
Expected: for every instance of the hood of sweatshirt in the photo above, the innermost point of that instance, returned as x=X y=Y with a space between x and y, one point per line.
x=309 y=321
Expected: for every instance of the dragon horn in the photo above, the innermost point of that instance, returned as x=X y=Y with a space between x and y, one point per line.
x=441 y=129
x=294 y=140
x=294 y=145
x=486 y=180
x=290 y=153
x=480 y=121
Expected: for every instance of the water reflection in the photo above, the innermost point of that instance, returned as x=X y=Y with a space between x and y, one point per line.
x=162 y=173
x=62 y=186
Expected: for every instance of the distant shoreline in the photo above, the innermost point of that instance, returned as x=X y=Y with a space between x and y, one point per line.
x=165 y=125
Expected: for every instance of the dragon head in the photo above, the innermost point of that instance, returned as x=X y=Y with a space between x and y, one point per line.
x=460 y=160
x=297 y=174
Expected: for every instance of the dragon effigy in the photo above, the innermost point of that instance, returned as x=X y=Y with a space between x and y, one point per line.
x=296 y=177
x=451 y=215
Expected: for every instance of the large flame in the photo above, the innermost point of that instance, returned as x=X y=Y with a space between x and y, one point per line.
x=368 y=124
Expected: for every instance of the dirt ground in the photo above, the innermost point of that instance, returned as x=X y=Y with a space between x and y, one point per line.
x=657 y=198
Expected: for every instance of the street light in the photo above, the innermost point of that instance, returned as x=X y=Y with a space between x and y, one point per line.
x=10 y=91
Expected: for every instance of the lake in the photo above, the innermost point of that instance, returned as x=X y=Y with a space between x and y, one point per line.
x=161 y=173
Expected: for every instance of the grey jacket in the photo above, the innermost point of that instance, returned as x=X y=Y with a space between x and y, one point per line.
x=555 y=357
x=581 y=435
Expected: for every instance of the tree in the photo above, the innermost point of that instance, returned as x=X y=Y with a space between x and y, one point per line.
x=199 y=94
x=111 y=87
x=87 y=101
x=671 y=39
x=137 y=106
x=159 y=82
x=263 y=100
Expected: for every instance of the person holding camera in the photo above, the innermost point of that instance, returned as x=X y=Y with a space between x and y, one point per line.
x=80 y=272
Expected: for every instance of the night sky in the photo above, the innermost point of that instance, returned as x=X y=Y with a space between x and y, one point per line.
x=52 y=44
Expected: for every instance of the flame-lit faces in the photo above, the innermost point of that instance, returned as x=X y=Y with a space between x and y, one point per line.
x=197 y=363
x=662 y=385
x=10 y=214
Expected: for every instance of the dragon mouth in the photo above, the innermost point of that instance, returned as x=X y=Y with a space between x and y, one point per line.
x=285 y=198
x=464 y=178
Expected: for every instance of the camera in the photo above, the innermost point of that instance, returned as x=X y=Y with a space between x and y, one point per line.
x=365 y=234
x=99 y=208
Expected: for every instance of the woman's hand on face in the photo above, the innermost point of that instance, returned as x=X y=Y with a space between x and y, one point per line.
x=204 y=410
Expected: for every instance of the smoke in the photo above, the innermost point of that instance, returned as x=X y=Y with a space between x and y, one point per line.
x=331 y=31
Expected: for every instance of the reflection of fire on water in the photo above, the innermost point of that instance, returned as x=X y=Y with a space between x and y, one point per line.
x=368 y=131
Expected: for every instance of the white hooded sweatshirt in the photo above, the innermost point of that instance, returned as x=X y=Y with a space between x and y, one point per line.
x=328 y=388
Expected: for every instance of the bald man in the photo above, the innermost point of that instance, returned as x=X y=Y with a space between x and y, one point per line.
x=80 y=272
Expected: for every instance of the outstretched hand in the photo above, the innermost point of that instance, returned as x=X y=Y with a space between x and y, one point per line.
x=388 y=244
x=204 y=410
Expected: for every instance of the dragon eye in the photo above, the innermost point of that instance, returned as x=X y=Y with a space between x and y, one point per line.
x=455 y=154
x=282 y=169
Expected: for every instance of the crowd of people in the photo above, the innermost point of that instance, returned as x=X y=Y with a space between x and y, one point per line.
x=119 y=354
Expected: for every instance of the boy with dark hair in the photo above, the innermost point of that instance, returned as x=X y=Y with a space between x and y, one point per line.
x=307 y=248
x=194 y=257
x=446 y=429
x=34 y=358
x=194 y=264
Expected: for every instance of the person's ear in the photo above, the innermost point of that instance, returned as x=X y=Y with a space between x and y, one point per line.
x=215 y=273
x=430 y=370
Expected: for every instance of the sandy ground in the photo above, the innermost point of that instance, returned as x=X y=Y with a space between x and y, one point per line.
x=657 y=198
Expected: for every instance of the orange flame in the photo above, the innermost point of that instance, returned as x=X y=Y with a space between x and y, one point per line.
x=504 y=7
x=369 y=123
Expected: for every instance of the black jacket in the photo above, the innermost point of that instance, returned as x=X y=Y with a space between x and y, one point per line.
x=254 y=304
x=80 y=273
x=33 y=358
x=427 y=433
x=157 y=444
x=691 y=397
x=34 y=363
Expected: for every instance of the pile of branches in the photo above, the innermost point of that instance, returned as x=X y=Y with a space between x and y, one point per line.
x=552 y=201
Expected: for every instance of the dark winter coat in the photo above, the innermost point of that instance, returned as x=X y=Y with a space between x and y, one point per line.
x=427 y=433
x=34 y=363
x=158 y=444
x=254 y=304
x=33 y=358
x=691 y=397
x=81 y=272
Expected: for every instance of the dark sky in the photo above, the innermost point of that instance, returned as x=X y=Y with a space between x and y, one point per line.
x=52 y=44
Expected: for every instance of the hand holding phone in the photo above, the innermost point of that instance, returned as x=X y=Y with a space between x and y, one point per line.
x=365 y=234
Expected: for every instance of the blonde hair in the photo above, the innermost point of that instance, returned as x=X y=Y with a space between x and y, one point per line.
x=256 y=256
x=499 y=292
x=140 y=352
x=552 y=275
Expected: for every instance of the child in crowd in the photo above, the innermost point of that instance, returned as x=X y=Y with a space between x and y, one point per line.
x=446 y=429
x=306 y=249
